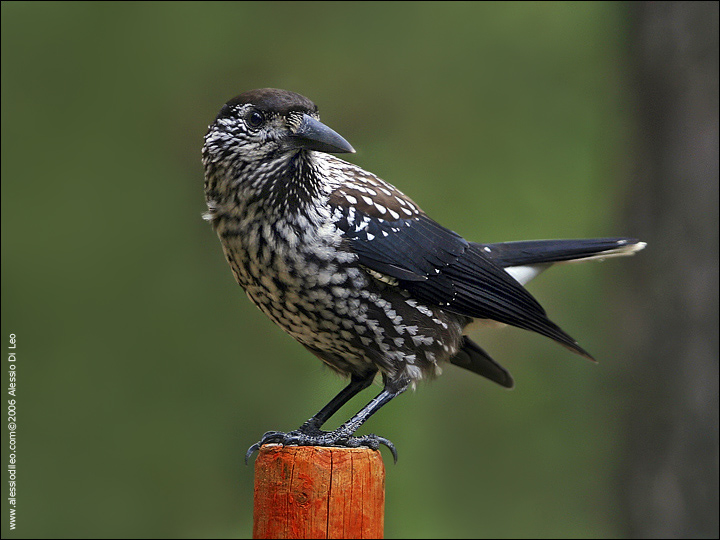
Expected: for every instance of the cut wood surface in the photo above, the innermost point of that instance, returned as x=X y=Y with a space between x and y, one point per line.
x=318 y=492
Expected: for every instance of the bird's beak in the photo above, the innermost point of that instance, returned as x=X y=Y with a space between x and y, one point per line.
x=314 y=135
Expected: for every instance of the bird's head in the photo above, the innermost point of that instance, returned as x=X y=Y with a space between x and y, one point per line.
x=268 y=123
x=260 y=148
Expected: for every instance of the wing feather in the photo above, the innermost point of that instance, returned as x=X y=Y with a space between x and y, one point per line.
x=438 y=266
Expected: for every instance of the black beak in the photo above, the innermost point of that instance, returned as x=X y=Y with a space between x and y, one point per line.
x=314 y=135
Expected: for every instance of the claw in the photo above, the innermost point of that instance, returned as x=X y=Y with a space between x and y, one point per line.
x=270 y=436
x=321 y=438
x=254 y=448
x=390 y=446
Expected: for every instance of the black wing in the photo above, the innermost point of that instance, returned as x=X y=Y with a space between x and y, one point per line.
x=392 y=236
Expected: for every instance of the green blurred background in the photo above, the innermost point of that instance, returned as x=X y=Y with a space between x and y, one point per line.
x=143 y=371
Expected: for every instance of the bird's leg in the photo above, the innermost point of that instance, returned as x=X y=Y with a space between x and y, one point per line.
x=357 y=384
x=311 y=428
x=343 y=436
x=309 y=433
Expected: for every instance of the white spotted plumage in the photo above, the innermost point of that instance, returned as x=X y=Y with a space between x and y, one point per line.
x=303 y=246
x=351 y=267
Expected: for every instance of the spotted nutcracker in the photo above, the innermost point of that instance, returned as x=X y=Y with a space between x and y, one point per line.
x=353 y=269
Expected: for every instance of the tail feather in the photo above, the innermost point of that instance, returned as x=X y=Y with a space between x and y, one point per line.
x=523 y=261
x=475 y=359
x=553 y=251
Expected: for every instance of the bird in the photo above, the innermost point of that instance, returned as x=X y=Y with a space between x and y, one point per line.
x=354 y=269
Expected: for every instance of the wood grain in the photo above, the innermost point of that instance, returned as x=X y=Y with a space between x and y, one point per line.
x=319 y=492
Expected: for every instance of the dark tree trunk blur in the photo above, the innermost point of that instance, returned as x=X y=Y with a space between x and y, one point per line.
x=671 y=475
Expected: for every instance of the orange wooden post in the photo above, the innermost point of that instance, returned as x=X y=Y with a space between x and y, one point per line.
x=318 y=492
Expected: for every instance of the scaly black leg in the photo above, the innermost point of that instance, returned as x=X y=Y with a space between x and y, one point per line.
x=357 y=385
x=310 y=434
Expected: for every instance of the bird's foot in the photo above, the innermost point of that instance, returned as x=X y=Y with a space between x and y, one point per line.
x=309 y=435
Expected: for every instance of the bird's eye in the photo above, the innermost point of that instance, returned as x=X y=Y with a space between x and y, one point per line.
x=255 y=119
